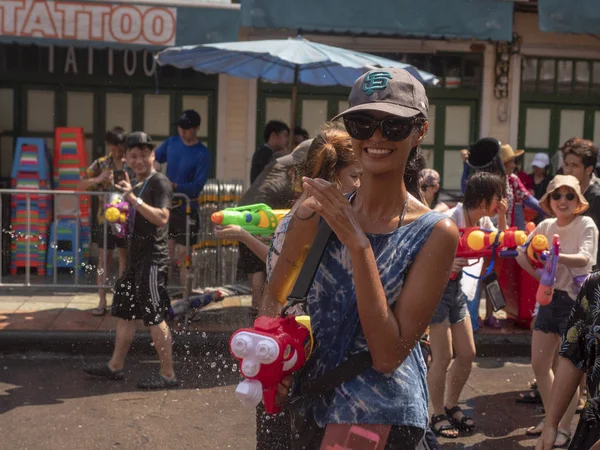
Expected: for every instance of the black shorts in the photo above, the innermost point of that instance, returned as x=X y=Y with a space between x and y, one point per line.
x=111 y=240
x=141 y=294
x=554 y=317
x=248 y=263
x=177 y=230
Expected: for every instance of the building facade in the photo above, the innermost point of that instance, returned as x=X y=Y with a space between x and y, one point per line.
x=526 y=71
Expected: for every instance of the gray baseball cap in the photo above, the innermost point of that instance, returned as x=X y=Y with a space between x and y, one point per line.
x=389 y=90
x=297 y=156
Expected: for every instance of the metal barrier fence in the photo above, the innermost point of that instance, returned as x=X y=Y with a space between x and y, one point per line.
x=69 y=208
x=214 y=261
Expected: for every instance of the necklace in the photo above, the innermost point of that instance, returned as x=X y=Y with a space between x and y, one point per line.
x=404 y=209
x=402 y=214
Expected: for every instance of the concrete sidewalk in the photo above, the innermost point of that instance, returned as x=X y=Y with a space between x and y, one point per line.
x=63 y=322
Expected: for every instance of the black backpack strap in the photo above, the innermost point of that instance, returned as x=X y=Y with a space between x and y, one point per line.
x=310 y=266
x=346 y=371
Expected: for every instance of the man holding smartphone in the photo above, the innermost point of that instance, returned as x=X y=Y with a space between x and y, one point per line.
x=141 y=293
x=101 y=176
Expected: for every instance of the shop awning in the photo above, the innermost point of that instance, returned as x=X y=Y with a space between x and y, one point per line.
x=149 y=24
x=573 y=16
x=480 y=19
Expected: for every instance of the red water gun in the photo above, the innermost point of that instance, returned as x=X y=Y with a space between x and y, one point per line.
x=546 y=287
x=476 y=243
x=273 y=348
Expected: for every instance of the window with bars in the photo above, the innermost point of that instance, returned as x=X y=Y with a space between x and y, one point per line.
x=560 y=76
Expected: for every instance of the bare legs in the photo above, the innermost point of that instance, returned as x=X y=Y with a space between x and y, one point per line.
x=544 y=349
x=445 y=386
x=161 y=337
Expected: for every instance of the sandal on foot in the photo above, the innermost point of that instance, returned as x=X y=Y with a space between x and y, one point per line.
x=531 y=397
x=446 y=431
x=102 y=370
x=565 y=435
x=535 y=431
x=157 y=382
x=99 y=311
x=462 y=423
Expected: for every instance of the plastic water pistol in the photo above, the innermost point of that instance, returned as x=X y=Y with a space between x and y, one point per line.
x=273 y=348
x=117 y=214
x=475 y=243
x=258 y=219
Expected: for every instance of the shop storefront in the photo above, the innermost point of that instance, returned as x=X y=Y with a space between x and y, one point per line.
x=90 y=64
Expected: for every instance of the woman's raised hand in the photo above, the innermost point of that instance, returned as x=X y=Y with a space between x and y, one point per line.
x=327 y=200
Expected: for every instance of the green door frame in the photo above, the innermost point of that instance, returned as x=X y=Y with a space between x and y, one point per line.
x=555 y=109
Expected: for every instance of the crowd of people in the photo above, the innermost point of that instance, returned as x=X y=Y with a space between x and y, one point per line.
x=373 y=297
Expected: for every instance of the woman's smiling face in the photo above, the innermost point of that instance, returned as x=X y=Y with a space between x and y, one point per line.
x=378 y=155
x=564 y=202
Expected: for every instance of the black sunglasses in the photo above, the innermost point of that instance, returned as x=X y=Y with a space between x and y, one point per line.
x=394 y=129
x=557 y=196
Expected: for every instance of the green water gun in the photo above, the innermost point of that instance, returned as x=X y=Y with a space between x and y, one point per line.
x=258 y=219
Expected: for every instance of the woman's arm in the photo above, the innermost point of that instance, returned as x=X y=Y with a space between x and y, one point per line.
x=237 y=233
x=391 y=335
x=587 y=247
x=576 y=260
x=299 y=236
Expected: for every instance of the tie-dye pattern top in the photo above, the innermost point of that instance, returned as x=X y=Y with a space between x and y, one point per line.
x=398 y=398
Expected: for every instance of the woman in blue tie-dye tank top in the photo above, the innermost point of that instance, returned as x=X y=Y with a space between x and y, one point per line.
x=381 y=275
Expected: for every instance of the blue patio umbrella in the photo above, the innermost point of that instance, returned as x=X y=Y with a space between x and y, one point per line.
x=283 y=61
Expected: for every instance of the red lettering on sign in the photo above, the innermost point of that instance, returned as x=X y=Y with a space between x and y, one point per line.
x=39 y=21
x=70 y=20
x=9 y=15
x=156 y=17
x=126 y=24
x=139 y=24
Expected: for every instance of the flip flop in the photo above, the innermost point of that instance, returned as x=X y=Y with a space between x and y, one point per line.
x=102 y=370
x=531 y=431
x=567 y=439
x=157 y=382
x=99 y=311
x=532 y=397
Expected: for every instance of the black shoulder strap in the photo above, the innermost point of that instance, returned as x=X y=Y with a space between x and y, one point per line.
x=346 y=371
x=310 y=266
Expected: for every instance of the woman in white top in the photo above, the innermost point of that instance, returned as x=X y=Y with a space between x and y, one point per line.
x=578 y=246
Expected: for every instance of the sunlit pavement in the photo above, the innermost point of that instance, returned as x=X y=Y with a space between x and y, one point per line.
x=46 y=402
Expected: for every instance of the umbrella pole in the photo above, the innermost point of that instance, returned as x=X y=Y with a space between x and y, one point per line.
x=293 y=115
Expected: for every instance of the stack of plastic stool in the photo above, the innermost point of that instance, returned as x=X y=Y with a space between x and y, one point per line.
x=30 y=171
x=70 y=164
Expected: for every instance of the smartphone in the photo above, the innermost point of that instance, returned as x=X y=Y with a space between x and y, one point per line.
x=494 y=292
x=118 y=176
x=361 y=439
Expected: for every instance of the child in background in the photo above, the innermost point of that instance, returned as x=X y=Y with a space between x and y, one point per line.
x=579 y=241
x=484 y=197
